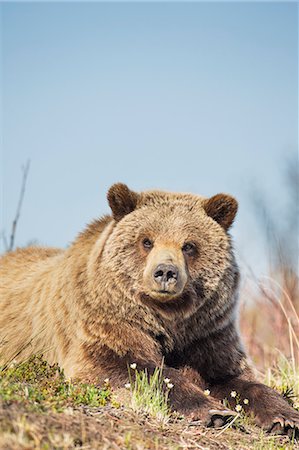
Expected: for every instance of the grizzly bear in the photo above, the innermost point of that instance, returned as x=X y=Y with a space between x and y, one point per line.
x=157 y=280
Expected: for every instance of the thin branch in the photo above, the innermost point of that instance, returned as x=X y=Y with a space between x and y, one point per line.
x=18 y=212
x=4 y=240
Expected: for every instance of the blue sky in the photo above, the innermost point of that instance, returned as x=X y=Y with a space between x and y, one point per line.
x=199 y=97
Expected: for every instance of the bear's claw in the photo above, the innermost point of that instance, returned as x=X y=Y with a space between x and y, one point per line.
x=218 y=418
x=281 y=425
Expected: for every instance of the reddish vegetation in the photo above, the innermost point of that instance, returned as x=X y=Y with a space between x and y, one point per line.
x=270 y=319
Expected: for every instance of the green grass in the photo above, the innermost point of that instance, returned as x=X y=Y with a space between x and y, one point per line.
x=284 y=377
x=150 y=393
x=42 y=386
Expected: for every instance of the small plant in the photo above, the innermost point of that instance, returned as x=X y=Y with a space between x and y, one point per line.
x=242 y=419
x=284 y=377
x=150 y=392
x=42 y=386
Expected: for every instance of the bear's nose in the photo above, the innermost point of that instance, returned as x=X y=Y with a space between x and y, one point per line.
x=165 y=274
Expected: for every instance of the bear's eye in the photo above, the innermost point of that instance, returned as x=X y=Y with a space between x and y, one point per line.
x=147 y=243
x=189 y=249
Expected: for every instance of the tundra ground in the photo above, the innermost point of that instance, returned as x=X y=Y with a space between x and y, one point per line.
x=40 y=409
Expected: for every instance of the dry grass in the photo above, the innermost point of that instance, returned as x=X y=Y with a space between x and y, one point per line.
x=270 y=322
x=112 y=428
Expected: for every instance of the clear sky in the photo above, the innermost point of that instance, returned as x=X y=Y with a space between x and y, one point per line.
x=199 y=97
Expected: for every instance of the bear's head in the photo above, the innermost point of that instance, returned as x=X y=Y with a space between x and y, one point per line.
x=169 y=251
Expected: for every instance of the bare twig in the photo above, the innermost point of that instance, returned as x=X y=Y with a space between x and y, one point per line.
x=3 y=237
x=25 y=170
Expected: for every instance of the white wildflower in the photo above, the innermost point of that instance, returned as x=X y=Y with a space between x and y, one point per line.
x=128 y=385
x=207 y=392
x=166 y=380
x=233 y=394
x=169 y=385
x=238 y=408
x=245 y=401
x=133 y=366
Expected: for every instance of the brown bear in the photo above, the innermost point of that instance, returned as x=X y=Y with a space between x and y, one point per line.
x=155 y=281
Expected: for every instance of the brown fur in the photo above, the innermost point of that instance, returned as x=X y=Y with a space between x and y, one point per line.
x=97 y=306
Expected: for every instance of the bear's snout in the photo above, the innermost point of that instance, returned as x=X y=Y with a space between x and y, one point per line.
x=166 y=276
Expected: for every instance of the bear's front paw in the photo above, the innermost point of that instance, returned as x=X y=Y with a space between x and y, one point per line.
x=286 y=422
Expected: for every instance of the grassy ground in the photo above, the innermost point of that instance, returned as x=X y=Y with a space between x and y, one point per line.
x=39 y=409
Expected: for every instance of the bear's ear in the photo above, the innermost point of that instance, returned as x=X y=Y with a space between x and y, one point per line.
x=222 y=208
x=122 y=201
